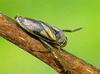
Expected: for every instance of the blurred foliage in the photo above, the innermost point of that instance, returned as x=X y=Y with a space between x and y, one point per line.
x=65 y=14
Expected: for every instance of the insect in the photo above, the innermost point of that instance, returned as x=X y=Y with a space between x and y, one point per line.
x=49 y=35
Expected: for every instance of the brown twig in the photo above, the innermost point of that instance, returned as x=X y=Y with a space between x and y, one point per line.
x=12 y=32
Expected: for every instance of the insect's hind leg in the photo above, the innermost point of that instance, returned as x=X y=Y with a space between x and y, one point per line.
x=74 y=30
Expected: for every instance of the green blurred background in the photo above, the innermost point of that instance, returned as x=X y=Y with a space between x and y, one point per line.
x=65 y=14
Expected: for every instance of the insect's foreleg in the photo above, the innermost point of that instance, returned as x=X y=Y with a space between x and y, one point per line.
x=74 y=30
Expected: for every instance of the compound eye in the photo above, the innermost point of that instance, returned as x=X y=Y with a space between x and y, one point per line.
x=19 y=19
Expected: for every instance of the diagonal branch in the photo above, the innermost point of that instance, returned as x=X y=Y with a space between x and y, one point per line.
x=12 y=32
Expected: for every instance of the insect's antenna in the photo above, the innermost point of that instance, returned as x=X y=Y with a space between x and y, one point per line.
x=74 y=30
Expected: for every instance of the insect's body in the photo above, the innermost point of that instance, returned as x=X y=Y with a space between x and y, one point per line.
x=43 y=30
x=49 y=35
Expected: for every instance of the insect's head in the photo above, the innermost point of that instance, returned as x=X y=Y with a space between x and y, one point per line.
x=26 y=23
x=22 y=21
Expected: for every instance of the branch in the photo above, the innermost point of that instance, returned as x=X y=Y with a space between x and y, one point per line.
x=12 y=32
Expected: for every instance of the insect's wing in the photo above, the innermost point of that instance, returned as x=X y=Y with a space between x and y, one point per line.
x=38 y=28
x=49 y=30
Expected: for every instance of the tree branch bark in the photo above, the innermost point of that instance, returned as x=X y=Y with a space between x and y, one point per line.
x=12 y=32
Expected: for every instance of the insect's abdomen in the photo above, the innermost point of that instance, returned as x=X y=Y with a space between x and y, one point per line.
x=61 y=38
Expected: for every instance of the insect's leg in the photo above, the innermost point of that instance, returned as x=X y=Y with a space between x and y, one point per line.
x=56 y=54
x=66 y=65
x=39 y=51
x=72 y=30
